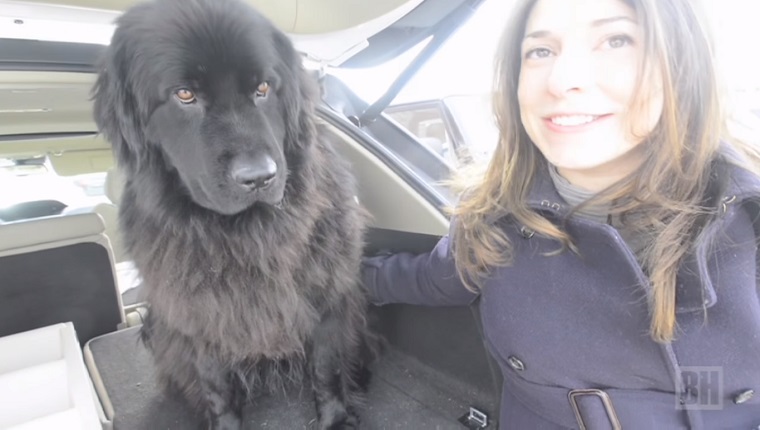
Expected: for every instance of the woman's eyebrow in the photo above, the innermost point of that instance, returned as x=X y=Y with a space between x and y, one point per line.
x=595 y=23
x=605 y=21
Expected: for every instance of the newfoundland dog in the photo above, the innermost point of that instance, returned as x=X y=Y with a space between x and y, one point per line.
x=241 y=220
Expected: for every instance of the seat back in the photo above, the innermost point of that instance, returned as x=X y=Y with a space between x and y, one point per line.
x=110 y=213
x=58 y=269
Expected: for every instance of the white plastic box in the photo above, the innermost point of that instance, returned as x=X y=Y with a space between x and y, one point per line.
x=44 y=383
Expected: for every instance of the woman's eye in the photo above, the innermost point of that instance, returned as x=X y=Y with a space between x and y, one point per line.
x=619 y=41
x=262 y=89
x=538 y=53
x=185 y=96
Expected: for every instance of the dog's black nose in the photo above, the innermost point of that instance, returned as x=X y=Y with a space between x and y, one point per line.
x=254 y=173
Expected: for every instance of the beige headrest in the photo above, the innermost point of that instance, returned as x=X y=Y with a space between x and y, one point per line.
x=52 y=229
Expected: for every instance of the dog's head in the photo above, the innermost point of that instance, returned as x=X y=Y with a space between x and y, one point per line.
x=209 y=91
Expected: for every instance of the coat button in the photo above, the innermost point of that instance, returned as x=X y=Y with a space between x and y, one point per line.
x=526 y=232
x=744 y=396
x=515 y=363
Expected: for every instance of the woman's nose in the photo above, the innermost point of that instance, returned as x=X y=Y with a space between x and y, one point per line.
x=571 y=72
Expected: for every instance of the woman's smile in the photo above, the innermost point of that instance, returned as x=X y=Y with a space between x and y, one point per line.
x=574 y=123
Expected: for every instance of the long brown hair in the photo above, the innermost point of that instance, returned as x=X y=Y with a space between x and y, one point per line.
x=669 y=188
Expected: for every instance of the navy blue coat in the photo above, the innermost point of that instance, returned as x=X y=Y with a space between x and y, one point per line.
x=563 y=324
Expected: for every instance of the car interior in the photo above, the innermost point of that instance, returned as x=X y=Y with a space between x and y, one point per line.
x=62 y=264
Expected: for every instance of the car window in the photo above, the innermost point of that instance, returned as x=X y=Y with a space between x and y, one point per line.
x=474 y=120
x=428 y=122
x=30 y=180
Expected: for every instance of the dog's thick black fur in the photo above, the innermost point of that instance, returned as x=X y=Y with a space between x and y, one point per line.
x=240 y=218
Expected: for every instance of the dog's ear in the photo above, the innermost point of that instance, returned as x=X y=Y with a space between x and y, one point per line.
x=115 y=107
x=299 y=93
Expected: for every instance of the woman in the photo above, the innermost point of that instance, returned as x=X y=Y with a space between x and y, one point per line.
x=611 y=238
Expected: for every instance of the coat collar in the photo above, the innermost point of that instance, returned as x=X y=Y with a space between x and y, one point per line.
x=543 y=195
x=742 y=186
x=742 y=189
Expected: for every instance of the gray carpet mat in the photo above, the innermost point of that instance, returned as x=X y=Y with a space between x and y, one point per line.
x=403 y=394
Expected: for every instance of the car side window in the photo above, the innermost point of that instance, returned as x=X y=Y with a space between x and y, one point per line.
x=428 y=123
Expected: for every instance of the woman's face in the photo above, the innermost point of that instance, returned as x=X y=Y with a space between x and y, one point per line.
x=580 y=64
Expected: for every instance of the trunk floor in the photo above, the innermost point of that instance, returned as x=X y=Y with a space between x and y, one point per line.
x=403 y=394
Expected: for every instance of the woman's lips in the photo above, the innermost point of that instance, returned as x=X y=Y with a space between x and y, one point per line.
x=574 y=123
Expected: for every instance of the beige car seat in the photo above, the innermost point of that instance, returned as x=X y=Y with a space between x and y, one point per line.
x=58 y=269
x=110 y=213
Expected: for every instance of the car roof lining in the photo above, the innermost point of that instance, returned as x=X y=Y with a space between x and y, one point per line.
x=360 y=34
x=292 y=16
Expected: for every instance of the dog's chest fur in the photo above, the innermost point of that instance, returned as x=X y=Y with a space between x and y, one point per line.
x=258 y=292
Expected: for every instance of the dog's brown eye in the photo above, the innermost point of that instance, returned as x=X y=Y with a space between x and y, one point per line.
x=262 y=89
x=185 y=96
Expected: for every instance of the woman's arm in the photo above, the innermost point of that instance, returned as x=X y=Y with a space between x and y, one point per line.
x=428 y=279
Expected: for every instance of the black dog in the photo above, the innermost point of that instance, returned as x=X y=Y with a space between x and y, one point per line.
x=240 y=219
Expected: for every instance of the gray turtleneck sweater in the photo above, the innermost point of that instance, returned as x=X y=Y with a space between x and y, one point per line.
x=574 y=195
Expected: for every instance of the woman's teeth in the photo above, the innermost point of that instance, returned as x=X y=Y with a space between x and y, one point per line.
x=573 y=120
